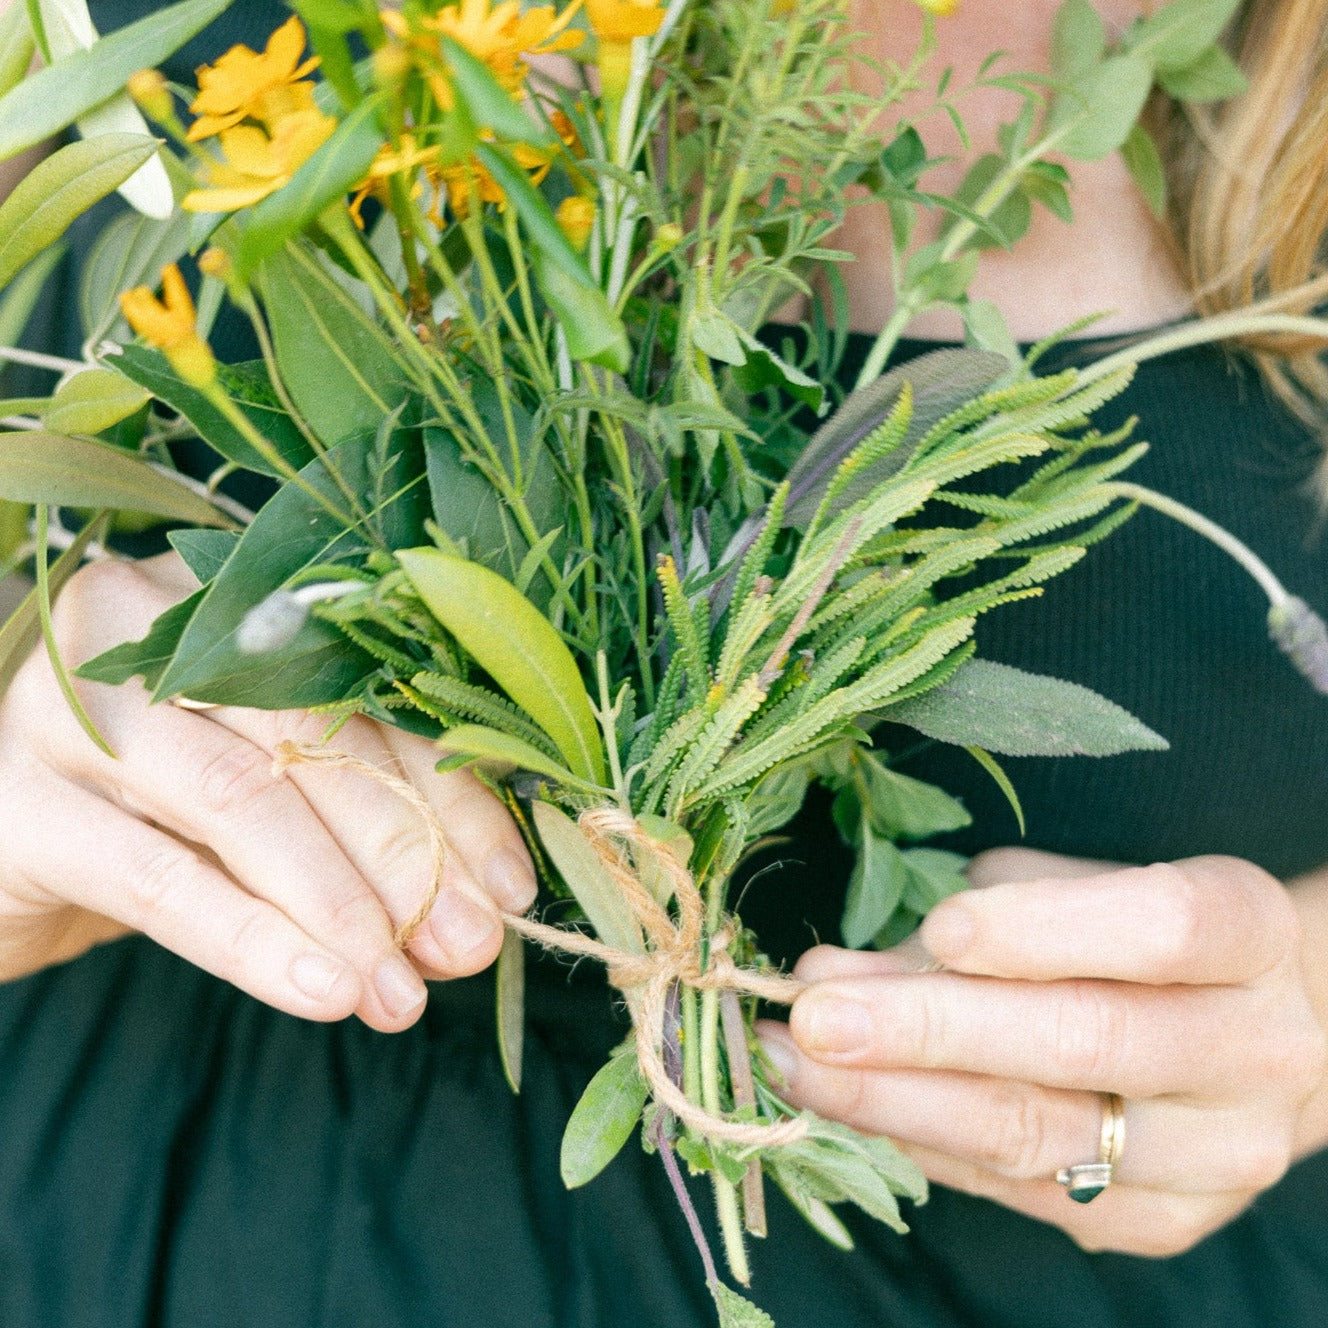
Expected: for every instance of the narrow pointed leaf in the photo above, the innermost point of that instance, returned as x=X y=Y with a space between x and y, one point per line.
x=587 y=878
x=62 y=188
x=516 y=646
x=510 y=999
x=501 y=751
x=53 y=98
x=39 y=467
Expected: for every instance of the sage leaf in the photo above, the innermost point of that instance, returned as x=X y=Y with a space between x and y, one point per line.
x=40 y=467
x=1214 y=76
x=61 y=188
x=1096 y=113
x=902 y=807
x=53 y=98
x=1078 y=40
x=603 y=1119
x=510 y=1000
x=874 y=889
x=736 y=1311
x=1179 y=33
x=587 y=878
x=1006 y=710
x=1142 y=159
x=516 y=646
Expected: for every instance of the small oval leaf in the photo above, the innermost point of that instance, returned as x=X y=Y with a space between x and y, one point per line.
x=603 y=1120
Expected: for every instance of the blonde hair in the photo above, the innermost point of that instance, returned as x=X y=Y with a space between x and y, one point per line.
x=1249 y=200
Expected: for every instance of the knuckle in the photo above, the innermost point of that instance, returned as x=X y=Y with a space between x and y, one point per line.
x=1017 y=1143
x=1088 y=1032
x=1295 y=1060
x=156 y=876
x=357 y=916
x=1180 y=912
x=245 y=939
x=237 y=780
x=400 y=854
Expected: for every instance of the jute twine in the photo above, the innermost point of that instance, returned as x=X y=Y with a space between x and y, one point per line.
x=674 y=946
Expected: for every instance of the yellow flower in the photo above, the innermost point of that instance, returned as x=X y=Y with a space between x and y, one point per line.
x=170 y=324
x=617 y=23
x=391 y=161
x=499 y=36
x=621 y=20
x=257 y=163
x=246 y=84
x=576 y=219
x=941 y=7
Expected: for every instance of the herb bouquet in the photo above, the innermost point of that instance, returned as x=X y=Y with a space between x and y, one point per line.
x=545 y=489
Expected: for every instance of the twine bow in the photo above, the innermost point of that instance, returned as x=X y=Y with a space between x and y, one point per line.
x=675 y=948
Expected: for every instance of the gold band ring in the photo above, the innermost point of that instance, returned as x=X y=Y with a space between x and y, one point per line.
x=1086 y=1181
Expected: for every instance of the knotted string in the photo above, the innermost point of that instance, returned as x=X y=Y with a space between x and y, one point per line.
x=674 y=946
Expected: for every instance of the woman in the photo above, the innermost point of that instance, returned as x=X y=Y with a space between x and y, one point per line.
x=184 y=1154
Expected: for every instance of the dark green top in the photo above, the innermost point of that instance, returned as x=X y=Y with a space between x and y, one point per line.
x=175 y=1155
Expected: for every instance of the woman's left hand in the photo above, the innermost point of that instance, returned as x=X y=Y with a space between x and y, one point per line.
x=1178 y=987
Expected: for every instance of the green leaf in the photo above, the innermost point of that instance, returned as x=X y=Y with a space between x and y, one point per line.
x=146 y=658
x=987 y=329
x=340 y=370
x=940 y=381
x=902 y=807
x=1078 y=39
x=40 y=467
x=736 y=1311
x=989 y=763
x=1144 y=162
x=715 y=334
x=91 y=401
x=874 y=889
x=603 y=1119
x=587 y=878
x=204 y=551
x=1006 y=710
x=332 y=172
x=501 y=752
x=53 y=98
x=487 y=102
x=22 y=629
x=1214 y=76
x=130 y=251
x=510 y=1002
x=61 y=188
x=593 y=331
x=247 y=385
x=1179 y=33
x=16 y=46
x=933 y=875
x=1097 y=112
x=516 y=646
x=291 y=532
x=18 y=302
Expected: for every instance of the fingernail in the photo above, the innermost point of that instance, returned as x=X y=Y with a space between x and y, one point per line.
x=825 y=1022
x=948 y=932
x=399 y=987
x=509 y=878
x=782 y=1055
x=315 y=975
x=461 y=926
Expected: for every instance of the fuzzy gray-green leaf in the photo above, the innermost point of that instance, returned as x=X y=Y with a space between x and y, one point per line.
x=603 y=1120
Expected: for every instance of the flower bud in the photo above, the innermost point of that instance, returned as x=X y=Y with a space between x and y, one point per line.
x=1301 y=633
x=148 y=88
x=576 y=218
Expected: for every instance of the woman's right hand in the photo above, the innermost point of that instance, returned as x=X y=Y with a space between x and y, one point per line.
x=288 y=886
